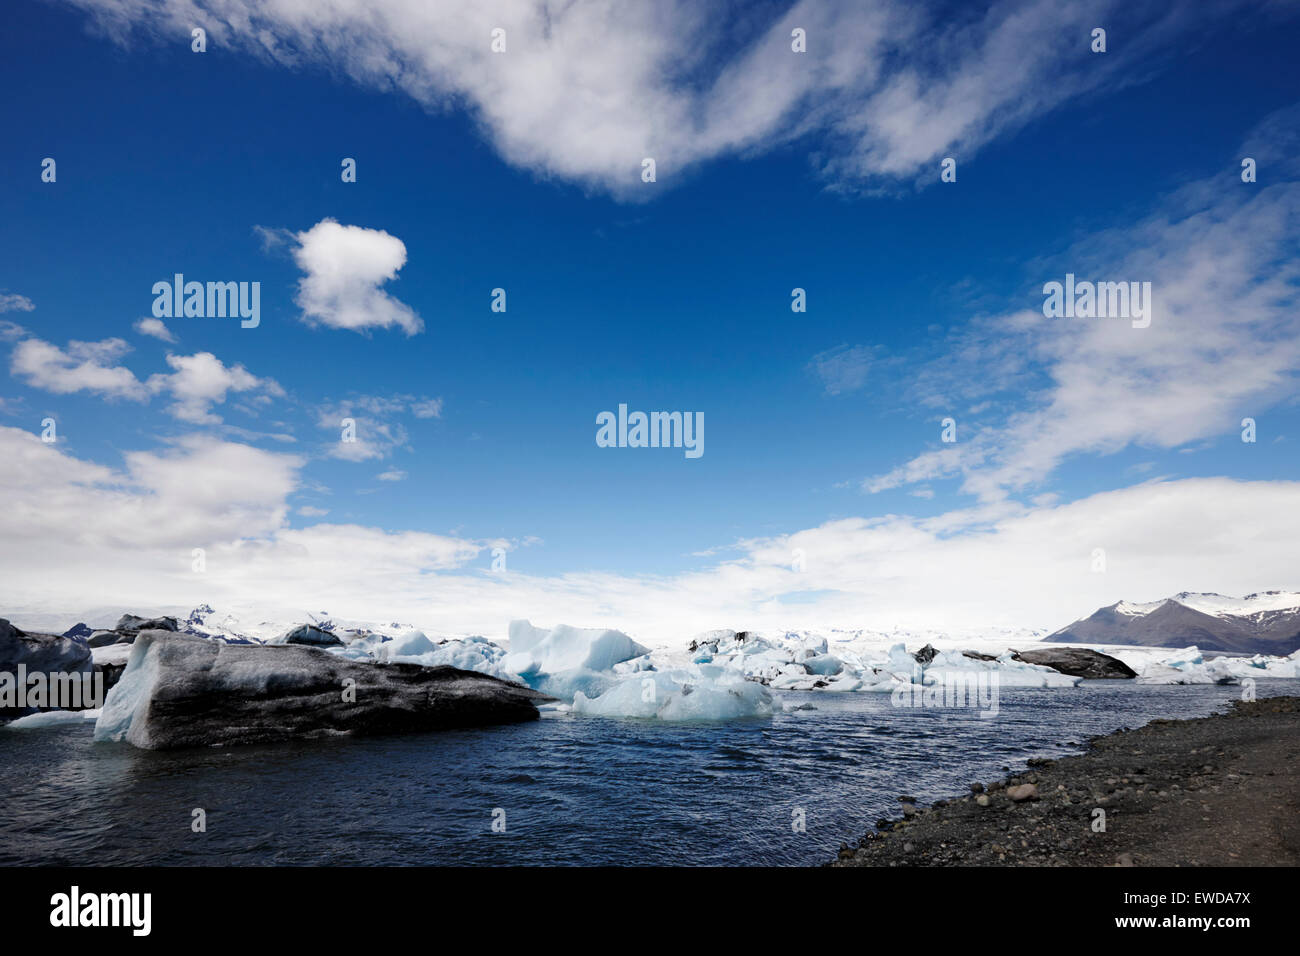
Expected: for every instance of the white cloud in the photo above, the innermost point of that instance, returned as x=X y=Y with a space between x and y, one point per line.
x=369 y=438
x=375 y=434
x=427 y=408
x=200 y=490
x=393 y=474
x=12 y=302
x=197 y=383
x=82 y=535
x=586 y=90
x=1223 y=261
x=345 y=267
x=202 y=380
x=155 y=328
x=843 y=369
x=83 y=366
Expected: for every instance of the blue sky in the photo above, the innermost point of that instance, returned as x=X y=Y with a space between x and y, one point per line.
x=666 y=296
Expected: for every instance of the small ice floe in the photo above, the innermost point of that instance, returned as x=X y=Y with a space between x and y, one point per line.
x=1189 y=667
x=697 y=692
x=804 y=663
x=53 y=718
x=1261 y=665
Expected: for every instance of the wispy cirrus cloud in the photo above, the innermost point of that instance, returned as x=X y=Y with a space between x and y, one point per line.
x=1223 y=260
x=376 y=429
x=426 y=408
x=362 y=433
x=843 y=369
x=585 y=91
x=12 y=302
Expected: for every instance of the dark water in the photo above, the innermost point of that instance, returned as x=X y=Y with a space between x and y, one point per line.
x=574 y=790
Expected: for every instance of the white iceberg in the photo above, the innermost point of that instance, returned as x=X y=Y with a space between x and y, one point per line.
x=51 y=718
x=565 y=648
x=468 y=653
x=565 y=661
x=803 y=662
x=1261 y=665
x=1187 y=666
x=110 y=655
x=826 y=665
x=698 y=692
x=407 y=644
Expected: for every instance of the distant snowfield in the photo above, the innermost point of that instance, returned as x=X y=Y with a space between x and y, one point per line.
x=1219 y=605
x=264 y=624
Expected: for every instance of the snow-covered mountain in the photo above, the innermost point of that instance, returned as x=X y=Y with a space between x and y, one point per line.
x=1263 y=623
x=244 y=626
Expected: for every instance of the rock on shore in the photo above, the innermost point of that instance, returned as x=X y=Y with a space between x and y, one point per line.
x=184 y=691
x=1216 y=791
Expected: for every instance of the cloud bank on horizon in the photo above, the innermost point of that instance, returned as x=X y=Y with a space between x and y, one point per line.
x=126 y=537
x=581 y=95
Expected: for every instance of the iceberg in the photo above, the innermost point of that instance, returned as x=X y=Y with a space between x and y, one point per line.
x=566 y=661
x=698 y=692
x=566 y=648
x=309 y=635
x=52 y=718
x=826 y=665
x=1188 y=666
x=1008 y=671
x=1261 y=665
x=803 y=662
x=468 y=654
x=183 y=691
x=406 y=644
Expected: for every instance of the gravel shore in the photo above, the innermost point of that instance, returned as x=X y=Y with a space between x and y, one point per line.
x=1216 y=791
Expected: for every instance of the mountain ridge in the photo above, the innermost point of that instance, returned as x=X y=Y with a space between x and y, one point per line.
x=1265 y=622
